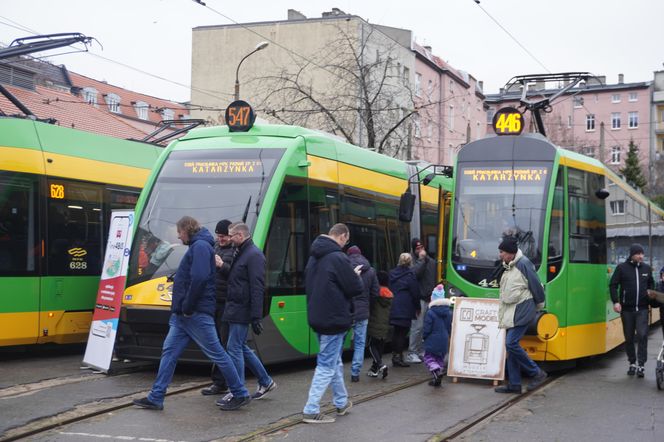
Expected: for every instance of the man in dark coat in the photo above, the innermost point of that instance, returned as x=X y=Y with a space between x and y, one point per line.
x=330 y=283
x=405 y=306
x=223 y=251
x=244 y=306
x=424 y=268
x=634 y=277
x=361 y=308
x=192 y=317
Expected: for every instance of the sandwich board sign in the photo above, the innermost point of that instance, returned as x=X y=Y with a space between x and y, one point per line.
x=477 y=345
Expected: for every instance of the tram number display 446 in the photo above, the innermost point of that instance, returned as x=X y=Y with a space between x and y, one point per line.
x=508 y=121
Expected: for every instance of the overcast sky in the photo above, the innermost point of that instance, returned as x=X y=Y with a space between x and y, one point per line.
x=605 y=37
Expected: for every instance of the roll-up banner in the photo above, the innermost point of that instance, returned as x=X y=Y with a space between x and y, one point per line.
x=101 y=340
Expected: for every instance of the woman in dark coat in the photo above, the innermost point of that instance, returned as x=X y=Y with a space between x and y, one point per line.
x=405 y=306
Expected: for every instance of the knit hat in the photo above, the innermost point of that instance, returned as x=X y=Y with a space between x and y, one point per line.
x=414 y=243
x=509 y=245
x=635 y=249
x=438 y=292
x=354 y=250
x=222 y=227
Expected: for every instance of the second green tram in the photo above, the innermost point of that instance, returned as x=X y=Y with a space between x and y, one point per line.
x=289 y=185
x=555 y=202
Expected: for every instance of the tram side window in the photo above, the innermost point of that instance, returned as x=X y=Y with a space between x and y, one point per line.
x=557 y=220
x=19 y=251
x=587 y=218
x=323 y=208
x=75 y=228
x=287 y=242
x=430 y=229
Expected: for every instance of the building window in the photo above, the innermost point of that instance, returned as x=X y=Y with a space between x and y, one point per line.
x=615 y=98
x=615 y=120
x=589 y=151
x=451 y=87
x=167 y=114
x=632 y=96
x=142 y=110
x=578 y=102
x=569 y=121
x=430 y=87
x=491 y=112
x=618 y=207
x=113 y=102
x=418 y=84
x=615 y=155
x=406 y=75
x=590 y=122
x=451 y=119
x=90 y=95
x=633 y=120
x=417 y=127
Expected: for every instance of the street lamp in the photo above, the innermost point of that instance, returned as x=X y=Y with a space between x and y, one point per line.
x=259 y=46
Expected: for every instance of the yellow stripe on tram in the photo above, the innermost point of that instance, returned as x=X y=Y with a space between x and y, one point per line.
x=66 y=166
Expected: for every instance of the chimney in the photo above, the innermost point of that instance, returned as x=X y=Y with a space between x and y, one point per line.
x=296 y=15
x=621 y=78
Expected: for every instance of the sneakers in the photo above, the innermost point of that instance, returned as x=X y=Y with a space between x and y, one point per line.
x=437 y=378
x=234 y=403
x=412 y=358
x=224 y=399
x=355 y=378
x=632 y=370
x=317 y=419
x=383 y=371
x=214 y=389
x=537 y=380
x=640 y=371
x=508 y=389
x=343 y=410
x=262 y=391
x=397 y=361
x=147 y=403
x=373 y=372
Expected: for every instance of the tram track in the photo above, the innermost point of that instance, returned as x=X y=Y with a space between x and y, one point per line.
x=475 y=422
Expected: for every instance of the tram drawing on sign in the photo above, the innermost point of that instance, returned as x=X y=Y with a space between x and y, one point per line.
x=477 y=345
x=476 y=350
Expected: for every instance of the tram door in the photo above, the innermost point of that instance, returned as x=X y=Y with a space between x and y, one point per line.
x=444 y=199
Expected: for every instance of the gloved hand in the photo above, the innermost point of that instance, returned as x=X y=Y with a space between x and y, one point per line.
x=257 y=326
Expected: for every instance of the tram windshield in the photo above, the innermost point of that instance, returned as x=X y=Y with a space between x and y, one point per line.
x=502 y=199
x=208 y=185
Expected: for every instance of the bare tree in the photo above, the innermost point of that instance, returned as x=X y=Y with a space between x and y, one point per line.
x=355 y=87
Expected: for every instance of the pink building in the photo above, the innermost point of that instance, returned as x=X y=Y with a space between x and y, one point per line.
x=595 y=119
x=451 y=108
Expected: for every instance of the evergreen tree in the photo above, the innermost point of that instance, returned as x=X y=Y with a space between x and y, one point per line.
x=659 y=200
x=632 y=170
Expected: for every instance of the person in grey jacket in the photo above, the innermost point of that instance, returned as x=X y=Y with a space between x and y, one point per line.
x=519 y=287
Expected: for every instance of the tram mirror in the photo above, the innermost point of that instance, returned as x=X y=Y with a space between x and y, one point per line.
x=406 y=206
x=427 y=179
x=602 y=194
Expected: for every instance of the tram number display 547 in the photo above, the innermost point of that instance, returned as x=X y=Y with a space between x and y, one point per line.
x=508 y=121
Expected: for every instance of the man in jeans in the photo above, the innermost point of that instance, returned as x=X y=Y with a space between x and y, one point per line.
x=634 y=277
x=519 y=288
x=330 y=284
x=244 y=306
x=424 y=268
x=192 y=317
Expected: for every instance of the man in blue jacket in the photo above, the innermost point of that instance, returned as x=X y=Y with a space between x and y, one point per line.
x=192 y=317
x=244 y=306
x=330 y=283
x=634 y=277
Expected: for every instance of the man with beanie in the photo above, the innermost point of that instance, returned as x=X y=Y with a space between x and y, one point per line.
x=223 y=254
x=361 y=308
x=519 y=288
x=634 y=277
x=424 y=268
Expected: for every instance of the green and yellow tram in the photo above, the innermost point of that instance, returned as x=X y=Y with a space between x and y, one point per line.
x=288 y=184
x=573 y=217
x=58 y=187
